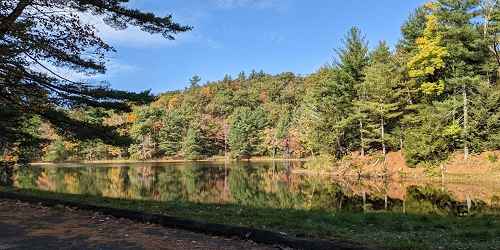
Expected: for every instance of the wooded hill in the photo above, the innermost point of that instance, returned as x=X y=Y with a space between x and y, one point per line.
x=436 y=92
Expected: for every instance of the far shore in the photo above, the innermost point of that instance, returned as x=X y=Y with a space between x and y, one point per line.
x=215 y=159
x=478 y=168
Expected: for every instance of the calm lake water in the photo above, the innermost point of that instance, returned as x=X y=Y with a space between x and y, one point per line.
x=269 y=185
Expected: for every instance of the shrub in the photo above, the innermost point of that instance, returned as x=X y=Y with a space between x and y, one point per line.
x=492 y=158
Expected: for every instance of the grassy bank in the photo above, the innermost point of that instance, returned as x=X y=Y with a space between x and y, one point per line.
x=385 y=230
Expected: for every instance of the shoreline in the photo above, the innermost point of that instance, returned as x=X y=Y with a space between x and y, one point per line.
x=477 y=169
x=214 y=160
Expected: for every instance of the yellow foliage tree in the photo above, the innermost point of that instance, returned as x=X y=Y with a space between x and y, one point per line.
x=429 y=56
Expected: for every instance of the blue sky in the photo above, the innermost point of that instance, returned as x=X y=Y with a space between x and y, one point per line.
x=230 y=36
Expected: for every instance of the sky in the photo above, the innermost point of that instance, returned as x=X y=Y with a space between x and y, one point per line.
x=230 y=36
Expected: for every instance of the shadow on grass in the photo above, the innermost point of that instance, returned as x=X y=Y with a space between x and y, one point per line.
x=387 y=230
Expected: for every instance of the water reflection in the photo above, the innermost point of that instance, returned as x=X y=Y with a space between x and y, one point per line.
x=260 y=185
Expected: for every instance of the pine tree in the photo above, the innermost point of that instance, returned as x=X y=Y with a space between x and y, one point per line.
x=55 y=33
x=353 y=58
x=194 y=81
x=490 y=10
x=467 y=52
x=245 y=133
x=242 y=76
x=192 y=146
x=380 y=103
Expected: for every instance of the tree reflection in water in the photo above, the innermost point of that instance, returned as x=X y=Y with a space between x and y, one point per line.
x=259 y=185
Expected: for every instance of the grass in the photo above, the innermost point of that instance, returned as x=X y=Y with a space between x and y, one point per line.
x=492 y=157
x=384 y=230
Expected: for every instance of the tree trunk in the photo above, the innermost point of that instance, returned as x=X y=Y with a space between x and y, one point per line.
x=7 y=22
x=362 y=138
x=404 y=204
x=469 y=204
x=401 y=144
x=226 y=131
x=466 y=114
x=385 y=202
x=364 y=201
x=382 y=135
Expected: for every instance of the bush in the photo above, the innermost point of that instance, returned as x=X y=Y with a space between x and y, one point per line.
x=493 y=158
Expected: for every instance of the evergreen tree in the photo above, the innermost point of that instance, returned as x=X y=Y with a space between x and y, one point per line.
x=192 y=146
x=431 y=135
x=413 y=29
x=353 y=58
x=467 y=52
x=313 y=121
x=490 y=11
x=194 y=81
x=172 y=132
x=227 y=78
x=485 y=114
x=380 y=103
x=242 y=76
x=42 y=33
x=245 y=134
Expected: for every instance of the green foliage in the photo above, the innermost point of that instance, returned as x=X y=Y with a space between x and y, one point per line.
x=353 y=56
x=172 y=132
x=93 y=150
x=34 y=40
x=485 y=114
x=145 y=130
x=429 y=137
x=379 y=98
x=246 y=130
x=195 y=81
x=493 y=158
x=435 y=93
x=192 y=146
x=327 y=124
x=57 y=152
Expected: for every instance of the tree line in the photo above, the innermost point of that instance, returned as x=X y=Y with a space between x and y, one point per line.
x=435 y=92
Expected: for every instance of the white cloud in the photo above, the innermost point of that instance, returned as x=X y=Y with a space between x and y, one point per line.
x=133 y=37
x=130 y=37
x=114 y=67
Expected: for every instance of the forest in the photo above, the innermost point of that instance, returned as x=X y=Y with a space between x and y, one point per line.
x=436 y=92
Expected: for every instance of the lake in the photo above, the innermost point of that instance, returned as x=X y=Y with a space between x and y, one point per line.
x=261 y=185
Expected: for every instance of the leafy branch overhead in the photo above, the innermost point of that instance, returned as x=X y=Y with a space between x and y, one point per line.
x=39 y=38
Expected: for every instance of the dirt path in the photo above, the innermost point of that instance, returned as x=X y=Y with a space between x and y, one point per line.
x=26 y=226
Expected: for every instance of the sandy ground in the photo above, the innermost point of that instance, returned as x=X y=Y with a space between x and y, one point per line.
x=27 y=226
